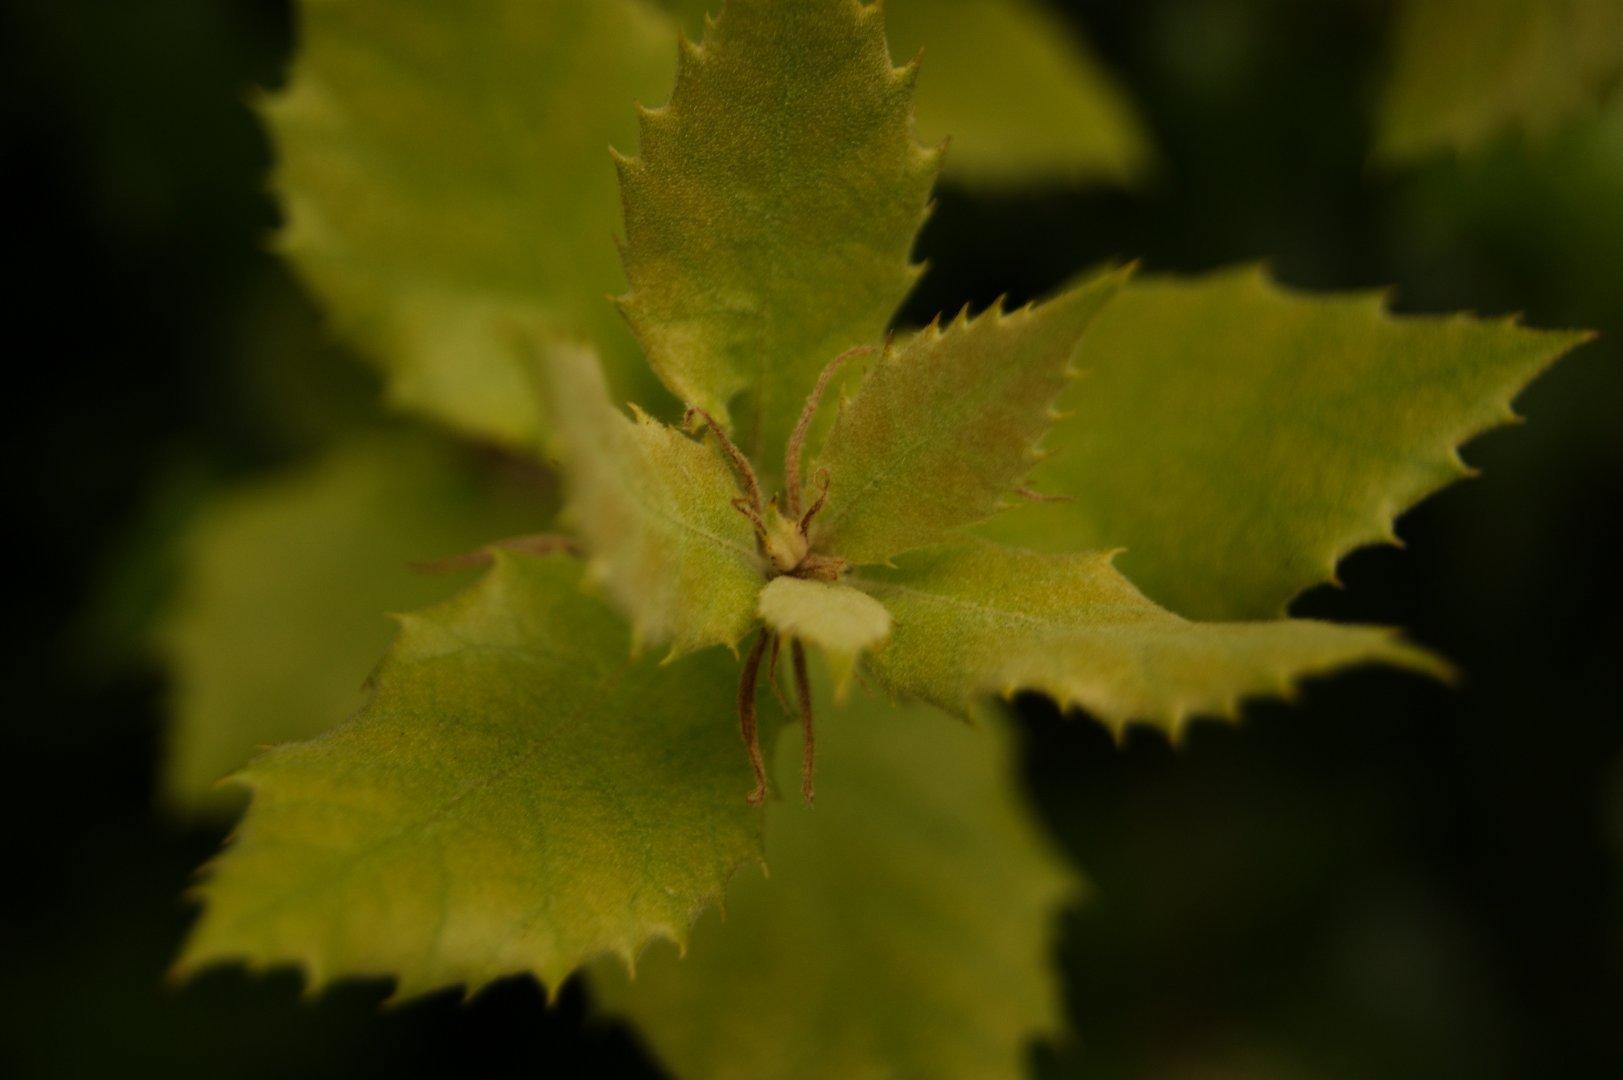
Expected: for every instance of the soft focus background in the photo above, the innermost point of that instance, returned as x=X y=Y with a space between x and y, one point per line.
x=1390 y=879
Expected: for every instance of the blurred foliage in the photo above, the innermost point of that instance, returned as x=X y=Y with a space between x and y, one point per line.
x=1390 y=880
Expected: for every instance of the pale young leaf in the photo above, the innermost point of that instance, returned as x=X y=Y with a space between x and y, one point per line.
x=653 y=507
x=445 y=171
x=519 y=796
x=284 y=585
x=1238 y=439
x=975 y=620
x=771 y=209
x=905 y=930
x=841 y=621
x=1466 y=71
x=946 y=423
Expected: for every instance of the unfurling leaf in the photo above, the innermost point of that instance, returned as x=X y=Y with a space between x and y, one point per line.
x=654 y=507
x=771 y=209
x=905 y=929
x=445 y=171
x=284 y=586
x=1238 y=439
x=944 y=425
x=975 y=620
x=1464 y=71
x=838 y=619
x=518 y=796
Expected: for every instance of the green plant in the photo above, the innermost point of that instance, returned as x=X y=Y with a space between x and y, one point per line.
x=544 y=773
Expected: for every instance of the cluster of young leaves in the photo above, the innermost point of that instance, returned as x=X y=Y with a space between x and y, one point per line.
x=1465 y=71
x=528 y=786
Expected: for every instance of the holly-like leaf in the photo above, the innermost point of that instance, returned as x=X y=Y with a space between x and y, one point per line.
x=284 y=586
x=944 y=426
x=841 y=621
x=975 y=620
x=1020 y=95
x=518 y=796
x=654 y=508
x=905 y=929
x=1464 y=71
x=771 y=210
x=1238 y=439
x=445 y=171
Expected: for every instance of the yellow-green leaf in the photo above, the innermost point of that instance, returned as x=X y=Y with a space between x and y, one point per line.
x=445 y=171
x=771 y=210
x=654 y=508
x=518 y=796
x=1238 y=438
x=944 y=426
x=1465 y=71
x=905 y=930
x=284 y=589
x=975 y=620
x=1019 y=93
x=838 y=619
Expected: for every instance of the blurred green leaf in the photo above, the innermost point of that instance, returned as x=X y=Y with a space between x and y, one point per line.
x=518 y=796
x=904 y=930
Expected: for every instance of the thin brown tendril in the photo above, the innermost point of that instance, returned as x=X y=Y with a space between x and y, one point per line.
x=772 y=675
x=816 y=507
x=539 y=544
x=797 y=440
x=742 y=505
x=808 y=760
x=746 y=716
x=740 y=463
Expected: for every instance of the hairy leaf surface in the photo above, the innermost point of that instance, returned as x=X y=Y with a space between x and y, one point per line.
x=445 y=172
x=1464 y=71
x=841 y=621
x=284 y=588
x=944 y=426
x=518 y=796
x=654 y=508
x=771 y=209
x=904 y=931
x=1238 y=439
x=976 y=619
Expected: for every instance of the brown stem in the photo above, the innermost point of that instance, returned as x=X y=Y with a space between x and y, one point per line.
x=746 y=716
x=816 y=507
x=772 y=675
x=741 y=464
x=539 y=544
x=808 y=760
x=797 y=440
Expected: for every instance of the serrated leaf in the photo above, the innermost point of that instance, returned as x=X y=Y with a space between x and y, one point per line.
x=1464 y=71
x=771 y=209
x=905 y=929
x=946 y=424
x=518 y=796
x=284 y=586
x=1238 y=439
x=654 y=508
x=1021 y=95
x=975 y=620
x=841 y=621
x=445 y=172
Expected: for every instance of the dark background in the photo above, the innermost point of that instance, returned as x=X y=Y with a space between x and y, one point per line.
x=1391 y=879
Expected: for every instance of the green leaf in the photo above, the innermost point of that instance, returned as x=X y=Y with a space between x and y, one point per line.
x=654 y=508
x=518 y=796
x=770 y=213
x=280 y=612
x=445 y=172
x=976 y=619
x=1020 y=95
x=945 y=425
x=838 y=619
x=1238 y=439
x=1465 y=71
x=905 y=930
